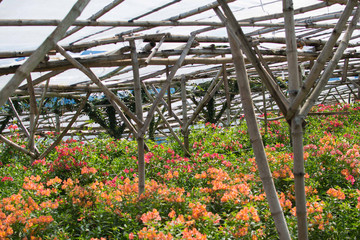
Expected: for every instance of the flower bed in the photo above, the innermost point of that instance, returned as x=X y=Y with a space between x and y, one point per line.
x=89 y=190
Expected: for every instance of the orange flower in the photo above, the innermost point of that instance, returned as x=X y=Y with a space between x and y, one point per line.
x=151 y=216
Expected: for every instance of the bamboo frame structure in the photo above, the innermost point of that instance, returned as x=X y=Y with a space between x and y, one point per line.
x=190 y=52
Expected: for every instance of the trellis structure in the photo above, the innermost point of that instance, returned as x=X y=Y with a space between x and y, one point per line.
x=153 y=81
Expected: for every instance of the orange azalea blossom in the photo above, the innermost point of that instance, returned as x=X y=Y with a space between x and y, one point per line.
x=198 y=210
x=86 y=170
x=336 y=193
x=149 y=234
x=193 y=234
x=54 y=181
x=150 y=216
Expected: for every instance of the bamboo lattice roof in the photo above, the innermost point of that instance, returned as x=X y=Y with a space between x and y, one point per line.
x=100 y=40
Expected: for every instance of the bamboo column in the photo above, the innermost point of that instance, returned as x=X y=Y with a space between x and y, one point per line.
x=255 y=137
x=185 y=131
x=33 y=113
x=23 y=71
x=296 y=126
x=139 y=114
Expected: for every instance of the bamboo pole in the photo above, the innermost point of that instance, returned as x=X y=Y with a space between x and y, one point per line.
x=227 y=94
x=239 y=36
x=131 y=20
x=155 y=50
x=331 y=65
x=321 y=60
x=17 y=147
x=67 y=128
x=33 y=113
x=50 y=42
x=139 y=114
x=214 y=86
x=167 y=84
x=296 y=126
x=97 y=81
x=256 y=141
x=165 y=120
x=96 y=16
x=178 y=17
x=168 y=107
x=42 y=78
x=185 y=131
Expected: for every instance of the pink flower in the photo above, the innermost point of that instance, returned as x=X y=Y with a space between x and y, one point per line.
x=351 y=179
x=126 y=170
x=7 y=179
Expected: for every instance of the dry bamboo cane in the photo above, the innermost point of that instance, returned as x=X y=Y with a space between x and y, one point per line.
x=33 y=113
x=50 y=42
x=17 y=147
x=214 y=85
x=110 y=95
x=164 y=119
x=245 y=45
x=296 y=126
x=22 y=124
x=331 y=66
x=321 y=60
x=97 y=81
x=139 y=114
x=255 y=137
x=67 y=128
x=167 y=106
x=185 y=131
x=94 y=17
x=42 y=79
x=167 y=84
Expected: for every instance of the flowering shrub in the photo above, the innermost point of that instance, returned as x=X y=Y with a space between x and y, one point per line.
x=90 y=190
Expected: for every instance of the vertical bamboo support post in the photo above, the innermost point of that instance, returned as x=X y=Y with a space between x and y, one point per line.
x=185 y=131
x=296 y=125
x=345 y=69
x=139 y=114
x=255 y=137
x=265 y=110
x=57 y=123
x=227 y=93
x=168 y=92
x=33 y=113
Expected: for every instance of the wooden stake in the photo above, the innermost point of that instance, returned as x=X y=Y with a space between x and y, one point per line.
x=185 y=131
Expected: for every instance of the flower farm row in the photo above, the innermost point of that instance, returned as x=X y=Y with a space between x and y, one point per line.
x=89 y=190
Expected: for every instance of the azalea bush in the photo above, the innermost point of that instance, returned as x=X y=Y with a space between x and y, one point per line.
x=85 y=190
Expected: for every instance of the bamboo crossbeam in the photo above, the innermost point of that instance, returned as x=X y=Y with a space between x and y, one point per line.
x=90 y=23
x=96 y=16
x=50 y=42
x=41 y=79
